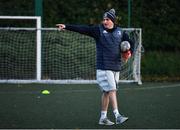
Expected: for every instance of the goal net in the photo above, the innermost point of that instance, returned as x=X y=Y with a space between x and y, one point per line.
x=47 y=55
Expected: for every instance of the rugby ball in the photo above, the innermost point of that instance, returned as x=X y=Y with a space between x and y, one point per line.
x=125 y=46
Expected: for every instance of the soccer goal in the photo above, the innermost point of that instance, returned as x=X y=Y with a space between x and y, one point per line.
x=20 y=49
x=47 y=55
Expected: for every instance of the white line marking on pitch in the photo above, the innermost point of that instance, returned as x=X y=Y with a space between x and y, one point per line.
x=155 y=87
x=93 y=90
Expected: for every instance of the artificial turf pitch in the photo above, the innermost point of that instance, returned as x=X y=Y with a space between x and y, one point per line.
x=149 y=106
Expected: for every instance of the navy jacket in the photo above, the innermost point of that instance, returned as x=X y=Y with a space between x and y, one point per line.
x=108 y=55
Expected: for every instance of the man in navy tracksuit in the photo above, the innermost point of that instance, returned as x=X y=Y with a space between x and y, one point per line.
x=108 y=60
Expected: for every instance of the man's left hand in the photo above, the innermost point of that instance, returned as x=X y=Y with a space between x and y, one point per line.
x=126 y=55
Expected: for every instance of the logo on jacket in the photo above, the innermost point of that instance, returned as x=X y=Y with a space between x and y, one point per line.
x=119 y=33
x=105 y=31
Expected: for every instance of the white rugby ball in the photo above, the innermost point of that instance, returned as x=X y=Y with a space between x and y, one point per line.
x=125 y=46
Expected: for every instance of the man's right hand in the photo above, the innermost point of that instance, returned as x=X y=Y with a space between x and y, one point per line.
x=61 y=26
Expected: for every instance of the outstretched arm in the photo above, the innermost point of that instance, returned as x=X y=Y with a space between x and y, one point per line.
x=92 y=31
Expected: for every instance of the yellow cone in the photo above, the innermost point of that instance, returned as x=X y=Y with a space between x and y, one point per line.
x=45 y=92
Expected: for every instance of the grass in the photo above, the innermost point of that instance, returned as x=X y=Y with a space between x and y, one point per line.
x=152 y=105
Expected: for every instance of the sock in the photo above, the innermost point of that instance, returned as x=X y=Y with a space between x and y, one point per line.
x=116 y=113
x=103 y=114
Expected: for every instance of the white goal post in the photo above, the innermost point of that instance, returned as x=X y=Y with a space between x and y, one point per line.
x=38 y=43
x=47 y=55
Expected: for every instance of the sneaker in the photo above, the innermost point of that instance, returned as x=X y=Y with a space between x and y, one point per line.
x=105 y=121
x=120 y=119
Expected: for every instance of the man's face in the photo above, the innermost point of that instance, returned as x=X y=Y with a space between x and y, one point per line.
x=108 y=24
